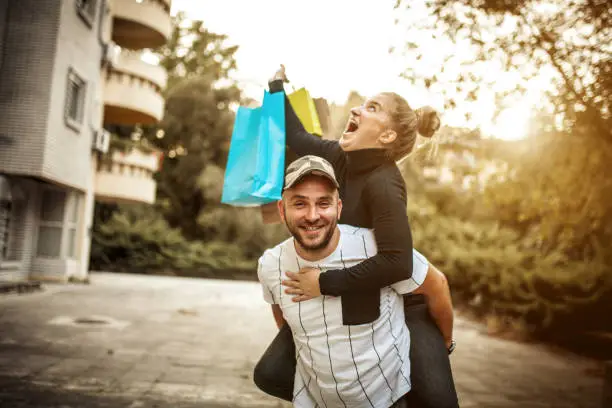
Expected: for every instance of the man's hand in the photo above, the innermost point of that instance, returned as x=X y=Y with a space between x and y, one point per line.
x=304 y=284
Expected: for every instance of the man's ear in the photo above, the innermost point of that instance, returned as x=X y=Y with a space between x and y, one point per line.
x=387 y=137
x=281 y=209
x=339 y=207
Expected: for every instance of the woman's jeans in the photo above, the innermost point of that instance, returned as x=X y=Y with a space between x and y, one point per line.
x=431 y=376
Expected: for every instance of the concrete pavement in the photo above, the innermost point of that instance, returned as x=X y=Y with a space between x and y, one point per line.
x=143 y=341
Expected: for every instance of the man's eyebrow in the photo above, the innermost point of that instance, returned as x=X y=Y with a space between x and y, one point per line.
x=302 y=197
x=375 y=103
x=297 y=197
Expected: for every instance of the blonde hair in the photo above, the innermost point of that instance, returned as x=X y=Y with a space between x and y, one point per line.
x=407 y=122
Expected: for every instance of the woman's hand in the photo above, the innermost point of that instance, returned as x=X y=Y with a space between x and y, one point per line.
x=303 y=284
x=280 y=74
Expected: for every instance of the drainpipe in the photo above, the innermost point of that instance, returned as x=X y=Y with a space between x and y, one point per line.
x=100 y=18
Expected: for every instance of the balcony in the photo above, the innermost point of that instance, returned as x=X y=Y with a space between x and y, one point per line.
x=141 y=24
x=127 y=177
x=133 y=91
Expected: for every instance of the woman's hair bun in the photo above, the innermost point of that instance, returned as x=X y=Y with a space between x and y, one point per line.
x=428 y=121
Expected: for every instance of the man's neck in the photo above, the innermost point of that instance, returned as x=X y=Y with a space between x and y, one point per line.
x=319 y=254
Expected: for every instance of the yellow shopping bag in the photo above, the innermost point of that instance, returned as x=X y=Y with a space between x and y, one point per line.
x=305 y=109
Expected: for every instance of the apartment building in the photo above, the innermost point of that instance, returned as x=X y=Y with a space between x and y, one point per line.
x=68 y=69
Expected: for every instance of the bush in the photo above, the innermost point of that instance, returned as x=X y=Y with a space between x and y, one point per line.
x=138 y=239
x=498 y=271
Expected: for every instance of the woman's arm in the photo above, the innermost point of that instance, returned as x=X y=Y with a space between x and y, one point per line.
x=385 y=197
x=299 y=140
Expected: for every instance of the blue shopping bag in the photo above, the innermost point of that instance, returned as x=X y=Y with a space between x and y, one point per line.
x=256 y=160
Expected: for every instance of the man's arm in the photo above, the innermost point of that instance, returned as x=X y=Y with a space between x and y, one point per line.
x=437 y=295
x=264 y=268
x=278 y=316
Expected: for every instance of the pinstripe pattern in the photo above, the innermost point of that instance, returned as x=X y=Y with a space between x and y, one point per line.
x=280 y=278
x=356 y=369
x=399 y=355
x=337 y=365
x=267 y=288
x=351 y=345
x=329 y=353
x=365 y=252
x=307 y=341
x=305 y=386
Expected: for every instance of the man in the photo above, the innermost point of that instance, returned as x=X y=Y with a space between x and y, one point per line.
x=338 y=366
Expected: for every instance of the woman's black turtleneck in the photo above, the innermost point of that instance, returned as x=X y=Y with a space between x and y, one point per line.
x=373 y=195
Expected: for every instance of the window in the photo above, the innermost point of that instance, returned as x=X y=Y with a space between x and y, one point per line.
x=74 y=207
x=5 y=226
x=59 y=220
x=87 y=10
x=13 y=246
x=75 y=100
x=51 y=223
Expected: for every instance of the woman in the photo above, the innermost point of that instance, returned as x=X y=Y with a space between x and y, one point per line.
x=378 y=134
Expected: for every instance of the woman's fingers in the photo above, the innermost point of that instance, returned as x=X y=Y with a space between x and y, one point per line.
x=291 y=283
x=281 y=74
x=292 y=275
x=294 y=291
x=301 y=298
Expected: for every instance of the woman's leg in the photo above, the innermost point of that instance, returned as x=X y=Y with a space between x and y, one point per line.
x=275 y=371
x=430 y=369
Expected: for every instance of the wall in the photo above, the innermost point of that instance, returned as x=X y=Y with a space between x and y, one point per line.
x=26 y=72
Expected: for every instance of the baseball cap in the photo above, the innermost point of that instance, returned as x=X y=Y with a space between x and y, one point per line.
x=309 y=165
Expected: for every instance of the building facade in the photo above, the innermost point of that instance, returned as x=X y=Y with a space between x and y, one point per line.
x=68 y=68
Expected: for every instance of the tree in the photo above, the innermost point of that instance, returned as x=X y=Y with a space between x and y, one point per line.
x=194 y=136
x=565 y=167
x=194 y=51
x=566 y=39
x=197 y=123
x=553 y=193
x=197 y=127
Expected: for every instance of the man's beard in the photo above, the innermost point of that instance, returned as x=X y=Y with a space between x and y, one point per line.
x=296 y=233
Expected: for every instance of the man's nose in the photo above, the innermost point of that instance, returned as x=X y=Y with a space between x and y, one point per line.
x=356 y=111
x=312 y=214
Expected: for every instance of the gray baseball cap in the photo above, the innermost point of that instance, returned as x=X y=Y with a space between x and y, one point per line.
x=309 y=165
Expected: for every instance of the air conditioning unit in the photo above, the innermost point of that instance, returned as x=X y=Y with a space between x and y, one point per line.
x=110 y=54
x=101 y=141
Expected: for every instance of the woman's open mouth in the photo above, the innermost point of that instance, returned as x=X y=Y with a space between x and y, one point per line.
x=351 y=126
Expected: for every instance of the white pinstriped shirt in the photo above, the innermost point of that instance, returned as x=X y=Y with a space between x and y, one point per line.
x=343 y=366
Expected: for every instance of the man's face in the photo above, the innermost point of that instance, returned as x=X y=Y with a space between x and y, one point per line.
x=311 y=210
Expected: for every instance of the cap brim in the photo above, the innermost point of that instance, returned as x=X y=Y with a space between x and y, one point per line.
x=313 y=172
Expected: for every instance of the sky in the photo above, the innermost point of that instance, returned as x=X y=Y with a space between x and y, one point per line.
x=332 y=47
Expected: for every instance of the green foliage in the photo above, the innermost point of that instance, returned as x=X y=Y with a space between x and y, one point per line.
x=198 y=125
x=567 y=40
x=138 y=239
x=558 y=190
x=526 y=246
x=537 y=250
x=194 y=51
x=499 y=272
